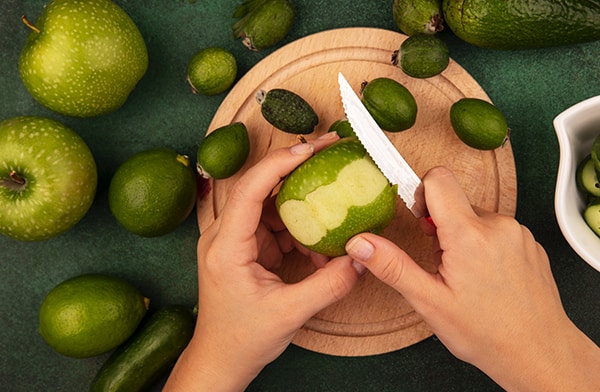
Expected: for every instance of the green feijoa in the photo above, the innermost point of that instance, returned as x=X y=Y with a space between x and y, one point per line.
x=287 y=111
x=422 y=56
x=390 y=103
x=479 y=124
x=342 y=127
x=586 y=177
x=223 y=151
x=263 y=23
x=418 y=16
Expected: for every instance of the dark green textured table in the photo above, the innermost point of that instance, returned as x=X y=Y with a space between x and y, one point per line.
x=530 y=87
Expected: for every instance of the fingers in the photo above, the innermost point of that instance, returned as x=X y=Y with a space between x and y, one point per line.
x=446 y=201
x=391 y=265
x=324 y=287
x=244 y=207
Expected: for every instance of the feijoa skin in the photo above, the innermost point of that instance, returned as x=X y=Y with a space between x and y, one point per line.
x=263 y=23
x=223 y=151
x=479 y=124
x=418 y=16
x=392 y=105
x=422 y=56
x=287 y=111
x=342 y=127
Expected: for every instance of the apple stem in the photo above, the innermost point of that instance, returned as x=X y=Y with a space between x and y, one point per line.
x=14 y=181
x=29 y=24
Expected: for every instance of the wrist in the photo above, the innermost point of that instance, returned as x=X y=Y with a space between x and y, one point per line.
x=205 y=368
x=567 y=361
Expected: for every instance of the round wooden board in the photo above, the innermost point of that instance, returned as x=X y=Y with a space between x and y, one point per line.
x=373 y=319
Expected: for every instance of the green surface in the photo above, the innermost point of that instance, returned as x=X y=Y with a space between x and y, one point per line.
x=530 y=87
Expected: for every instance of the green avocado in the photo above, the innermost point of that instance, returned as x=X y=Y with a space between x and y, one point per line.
x=523 y=24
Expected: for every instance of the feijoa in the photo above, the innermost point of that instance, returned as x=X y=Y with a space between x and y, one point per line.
x=287 y=111
x=342 y=127
x=392 y=105
x=418 y=16
x=263 y=23
x=422 y=56
x=223 y=151
x=478 y=123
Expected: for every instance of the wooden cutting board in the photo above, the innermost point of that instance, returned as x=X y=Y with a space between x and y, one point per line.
x=373 y=319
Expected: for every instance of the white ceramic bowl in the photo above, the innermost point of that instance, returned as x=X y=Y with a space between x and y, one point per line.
x=576 y=129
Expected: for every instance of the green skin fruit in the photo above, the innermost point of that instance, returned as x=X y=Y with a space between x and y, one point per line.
x=523 y=24
x=391 y=104
x=211 y=81
x=335 y=195
x=422 y=56
x=418 y=16
x=595 y=154
x=48 y=178
x=224 y=151
x=263 y=23
x=110 y=308
x=167 y=212
x=86 y=58
x=149 y=353
x=342 y=127
x=287 y=111
x=479 y=124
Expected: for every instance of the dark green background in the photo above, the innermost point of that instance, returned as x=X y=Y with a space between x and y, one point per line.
x=530 y=87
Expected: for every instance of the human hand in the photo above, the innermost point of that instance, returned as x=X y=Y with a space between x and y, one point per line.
x=247 y=315
x=493 y=301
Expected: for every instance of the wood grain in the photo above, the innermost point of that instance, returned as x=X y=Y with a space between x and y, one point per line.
x=373 y=319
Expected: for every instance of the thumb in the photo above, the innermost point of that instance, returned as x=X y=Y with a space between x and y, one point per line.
x=391 y=265
x=326 y=285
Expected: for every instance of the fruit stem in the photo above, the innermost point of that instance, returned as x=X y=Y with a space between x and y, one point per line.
x=29 y=24
x=14 y=181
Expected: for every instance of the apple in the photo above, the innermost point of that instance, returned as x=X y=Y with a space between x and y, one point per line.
x=335 y=195
x=83 y=58
x=48 y=178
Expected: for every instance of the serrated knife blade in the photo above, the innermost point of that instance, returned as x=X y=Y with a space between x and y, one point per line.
x=382 y=151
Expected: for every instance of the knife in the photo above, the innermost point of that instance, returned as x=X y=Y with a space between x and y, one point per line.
x=382 y=151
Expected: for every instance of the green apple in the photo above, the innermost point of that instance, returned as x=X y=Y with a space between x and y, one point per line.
x=48 y=178
x=83 y=58
x=335 y=195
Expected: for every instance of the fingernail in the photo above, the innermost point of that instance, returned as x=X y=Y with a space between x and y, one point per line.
x=328 y=136
x=302 y=149
x=359 y=268
x=360 y=249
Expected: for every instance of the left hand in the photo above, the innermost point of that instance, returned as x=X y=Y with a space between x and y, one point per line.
x=247 y=314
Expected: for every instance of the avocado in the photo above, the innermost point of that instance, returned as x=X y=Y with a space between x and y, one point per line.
x=523 y=24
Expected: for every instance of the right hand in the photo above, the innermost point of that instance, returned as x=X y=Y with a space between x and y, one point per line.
x=493 y=301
